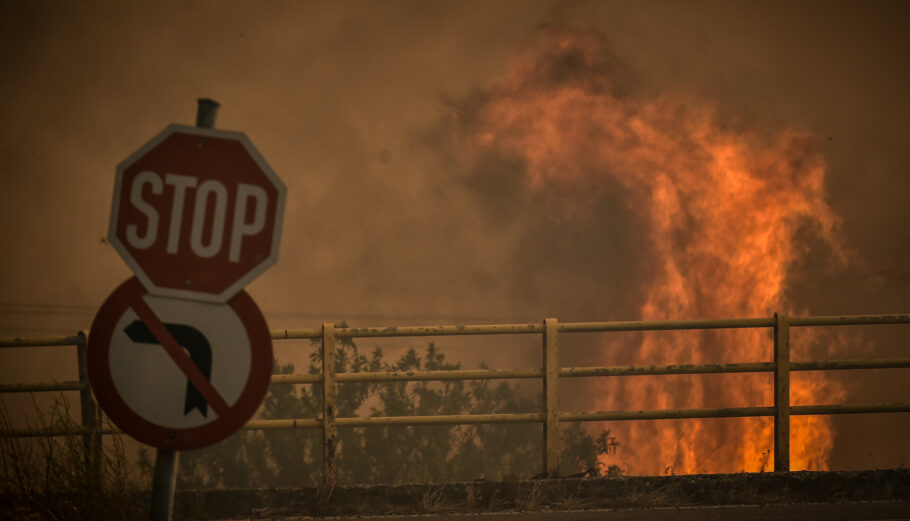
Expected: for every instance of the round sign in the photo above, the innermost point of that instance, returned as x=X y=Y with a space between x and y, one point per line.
x=197 y=213
x=178 y=374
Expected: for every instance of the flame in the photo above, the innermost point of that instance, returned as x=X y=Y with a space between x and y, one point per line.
x=721 y=208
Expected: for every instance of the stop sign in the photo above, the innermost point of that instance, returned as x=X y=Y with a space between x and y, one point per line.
x=197 y=213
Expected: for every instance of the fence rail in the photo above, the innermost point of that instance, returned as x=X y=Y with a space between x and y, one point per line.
x=550 y=373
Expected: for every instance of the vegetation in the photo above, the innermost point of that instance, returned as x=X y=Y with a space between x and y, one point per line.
x=71 y=477
x=394 y=454
x=65 y=477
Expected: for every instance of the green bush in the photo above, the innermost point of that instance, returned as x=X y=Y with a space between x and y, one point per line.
x=392 y=454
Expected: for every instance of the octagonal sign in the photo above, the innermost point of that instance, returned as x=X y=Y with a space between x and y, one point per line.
x=197 y=213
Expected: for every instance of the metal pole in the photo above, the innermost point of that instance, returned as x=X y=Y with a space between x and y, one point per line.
x=164 y=483
x=91 y=440
x=781 y=393
x=551 y=445
x=329 y=396
x=206 y=113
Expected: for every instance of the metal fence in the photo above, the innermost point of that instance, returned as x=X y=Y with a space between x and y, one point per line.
x=551 y=372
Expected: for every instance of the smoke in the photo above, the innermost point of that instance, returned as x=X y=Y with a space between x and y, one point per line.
x=362 y=110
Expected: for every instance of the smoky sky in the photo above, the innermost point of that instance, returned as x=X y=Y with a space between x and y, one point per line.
x=352 y=104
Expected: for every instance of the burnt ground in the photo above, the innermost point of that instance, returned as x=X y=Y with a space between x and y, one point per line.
x=889 y=487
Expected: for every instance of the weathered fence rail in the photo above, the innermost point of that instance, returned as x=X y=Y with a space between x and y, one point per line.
x=550 y=372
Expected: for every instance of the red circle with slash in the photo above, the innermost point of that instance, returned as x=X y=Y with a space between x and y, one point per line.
x=230 y=416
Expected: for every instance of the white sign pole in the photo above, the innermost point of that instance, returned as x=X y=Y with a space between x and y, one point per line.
x=164 y=483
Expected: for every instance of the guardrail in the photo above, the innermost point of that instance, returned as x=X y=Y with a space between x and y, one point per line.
x=551 y=372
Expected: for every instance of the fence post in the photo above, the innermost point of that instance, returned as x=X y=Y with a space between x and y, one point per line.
x=329 y=395
x=551 y=445
x=781 y=393
x=91 y=439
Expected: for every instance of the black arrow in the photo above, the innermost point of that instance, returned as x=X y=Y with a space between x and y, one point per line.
x=194 y=342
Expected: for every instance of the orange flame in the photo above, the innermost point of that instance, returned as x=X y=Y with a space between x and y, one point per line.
x=721 y=208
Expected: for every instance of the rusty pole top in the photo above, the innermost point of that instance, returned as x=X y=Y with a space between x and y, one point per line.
x=206 y=113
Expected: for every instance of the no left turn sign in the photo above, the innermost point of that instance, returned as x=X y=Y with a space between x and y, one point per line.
x=178 y=374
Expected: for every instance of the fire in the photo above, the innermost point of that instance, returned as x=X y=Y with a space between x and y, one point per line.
x=721 y=208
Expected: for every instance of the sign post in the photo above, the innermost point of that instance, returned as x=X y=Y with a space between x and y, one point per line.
x=179 y=357
x=164 y=484
x=167 y=461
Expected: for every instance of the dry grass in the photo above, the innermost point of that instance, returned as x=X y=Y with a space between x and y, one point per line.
x=432 y=500
x=64 y=477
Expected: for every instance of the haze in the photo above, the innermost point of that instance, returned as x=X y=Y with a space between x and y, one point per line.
x=352 y=105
